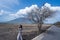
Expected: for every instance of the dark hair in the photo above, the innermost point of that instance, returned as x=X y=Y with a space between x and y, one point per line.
x=20 y=26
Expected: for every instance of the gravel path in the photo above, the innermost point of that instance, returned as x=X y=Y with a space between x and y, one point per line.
x=53 y=33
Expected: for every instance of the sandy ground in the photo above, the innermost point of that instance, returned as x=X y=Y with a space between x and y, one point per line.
x=9 y=31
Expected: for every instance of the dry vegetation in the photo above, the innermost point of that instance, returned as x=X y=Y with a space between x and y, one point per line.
x=9 y=31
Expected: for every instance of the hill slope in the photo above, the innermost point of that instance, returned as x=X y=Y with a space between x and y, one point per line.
x=20 y=20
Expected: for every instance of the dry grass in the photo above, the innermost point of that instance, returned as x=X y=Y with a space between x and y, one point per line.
x=9 y=31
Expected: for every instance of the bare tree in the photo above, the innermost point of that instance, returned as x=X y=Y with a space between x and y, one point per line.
x=39 y=15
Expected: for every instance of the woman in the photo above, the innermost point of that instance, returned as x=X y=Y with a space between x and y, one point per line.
x=19 y=36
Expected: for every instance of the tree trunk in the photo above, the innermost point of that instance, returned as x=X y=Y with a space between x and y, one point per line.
x=40 y=24
x=39 y=27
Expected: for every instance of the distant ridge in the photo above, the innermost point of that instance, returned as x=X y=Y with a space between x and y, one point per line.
x=20 y=20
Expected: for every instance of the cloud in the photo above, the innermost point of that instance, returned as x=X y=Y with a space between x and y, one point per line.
x=8 y=4
x=1 y=12
x=54 y=18
x=20 y=13
x=23 y=12
x=5 y=16
x=27 y=9
x=53 y=8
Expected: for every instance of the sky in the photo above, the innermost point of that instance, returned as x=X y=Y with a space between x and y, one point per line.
x=12 y=9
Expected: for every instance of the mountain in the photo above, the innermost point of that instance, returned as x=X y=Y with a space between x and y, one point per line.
x=20 y=20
